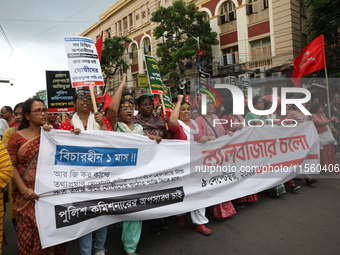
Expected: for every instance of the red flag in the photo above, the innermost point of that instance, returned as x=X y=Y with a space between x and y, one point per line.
x=199 y=53
x=107 y=100
x=310 y=59
x=99 y=46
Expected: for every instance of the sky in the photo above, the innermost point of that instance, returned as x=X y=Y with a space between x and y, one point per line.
x=32 y=41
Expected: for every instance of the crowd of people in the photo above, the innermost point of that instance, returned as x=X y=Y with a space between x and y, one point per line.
x=20 y=132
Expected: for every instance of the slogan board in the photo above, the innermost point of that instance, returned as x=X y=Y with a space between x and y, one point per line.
x=83 y=62
x=59 y=91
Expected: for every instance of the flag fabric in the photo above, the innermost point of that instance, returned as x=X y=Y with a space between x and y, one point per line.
x=311 y=58
x=107 y=101
x=99 y=46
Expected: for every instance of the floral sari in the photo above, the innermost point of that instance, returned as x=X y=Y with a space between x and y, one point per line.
x=22 y=152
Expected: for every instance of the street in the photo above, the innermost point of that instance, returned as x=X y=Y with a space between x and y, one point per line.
x=304 y=222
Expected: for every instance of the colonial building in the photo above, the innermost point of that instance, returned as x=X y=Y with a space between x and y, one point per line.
x=258 y=38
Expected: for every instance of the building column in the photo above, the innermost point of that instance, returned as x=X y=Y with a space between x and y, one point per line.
x=271 y=27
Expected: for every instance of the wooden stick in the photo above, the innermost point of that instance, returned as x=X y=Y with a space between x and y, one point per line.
x=164 y=112
x=94 y=103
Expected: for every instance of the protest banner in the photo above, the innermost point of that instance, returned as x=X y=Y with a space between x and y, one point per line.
x=97 y=178
x=168 y=99
x=83 y=62
x=59 y=92
x=155 y=80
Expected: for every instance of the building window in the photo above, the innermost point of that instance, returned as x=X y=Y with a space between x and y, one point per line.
x=302 y=9
x=265 y=4
x=159 y=4
x=125 y=23
x=230 y=56
x=206 y=16
x=303 y=40
x=147 y=45
x=120 y=28
x=260 y=49
x=143 y=14
x=137 y=17
x=134 y=54
x=131 y=20
x=108 y=33
x=227 y=13
x=252 y=6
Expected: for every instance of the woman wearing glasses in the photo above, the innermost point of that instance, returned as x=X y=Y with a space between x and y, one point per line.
x=120 y=114
x=254 y=119
x=23 y=148
x=83 y=119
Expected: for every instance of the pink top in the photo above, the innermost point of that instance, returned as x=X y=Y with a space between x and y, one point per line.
x=295 y=116
x=238 y=119
x=317 y=121
x=205 y=129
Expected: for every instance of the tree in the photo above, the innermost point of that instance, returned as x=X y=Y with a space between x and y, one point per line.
x=324 y=18
x=37 y=94
x=178 y=25
x=112 y=55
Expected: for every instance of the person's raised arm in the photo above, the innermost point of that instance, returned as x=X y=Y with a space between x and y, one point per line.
x=173 y=120
x=112 y=112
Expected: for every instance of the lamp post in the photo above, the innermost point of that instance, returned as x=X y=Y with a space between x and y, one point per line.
x=198 y=48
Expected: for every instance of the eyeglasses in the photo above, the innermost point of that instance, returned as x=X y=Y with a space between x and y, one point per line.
x=260 y=102
x=126 y=108
x=210 y=103
x=40 y=111
x=53 y=114
x=81 y=97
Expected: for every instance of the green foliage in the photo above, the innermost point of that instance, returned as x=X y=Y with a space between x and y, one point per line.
x=175 y=24
x=112 y=53
x=37 y=94
x=324 y=18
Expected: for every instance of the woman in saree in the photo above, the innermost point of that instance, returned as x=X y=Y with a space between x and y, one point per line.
x=120 y=113
x=153 y=126
x=23 y=148
x=83 y=119
x=182 y=127
x=207 y=132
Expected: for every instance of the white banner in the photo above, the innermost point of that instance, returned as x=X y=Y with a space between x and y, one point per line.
x=97 y=178
x=83 y=62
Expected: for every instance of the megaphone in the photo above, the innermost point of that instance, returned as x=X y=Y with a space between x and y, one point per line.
x=182 y=84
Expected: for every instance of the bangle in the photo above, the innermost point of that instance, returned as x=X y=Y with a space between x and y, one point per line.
x=25 y=192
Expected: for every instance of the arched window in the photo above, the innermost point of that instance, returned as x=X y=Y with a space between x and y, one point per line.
x=206 y=16
x=133 y=54
x=147 y=45
x=227 y=13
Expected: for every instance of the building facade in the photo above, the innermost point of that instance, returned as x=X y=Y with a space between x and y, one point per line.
x=258 y=38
